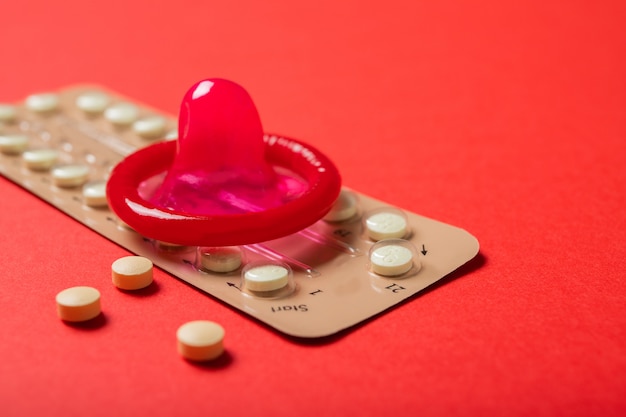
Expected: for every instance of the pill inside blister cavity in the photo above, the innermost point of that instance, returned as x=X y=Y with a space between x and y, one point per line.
x=345 y=207
x=393 y=257
x=94 y=194
x=42 y=103
x=92 y=102
x=8 y=113
x=40 y=159
x=70 y=175
x=223 y=182
x=267 y=279
x=121 y=113
x=13 y=144
x=150 y=127
x=221 y=259
x=386 y=223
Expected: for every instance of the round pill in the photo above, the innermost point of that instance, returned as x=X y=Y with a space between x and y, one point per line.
x=7 y=113
x=150 y=127
x=40 y=159
x=171 y=135
x=94 y=194
x=220 y=259
x=200 y=340
x=391 y=260
x=92 y=102
x=386 y=225
x=266 y=278
x=13 y=144
x=344 y=208
x=70 y=175
x=121 y=113
x=42 y=103
x=132 y=272
x=78 y=304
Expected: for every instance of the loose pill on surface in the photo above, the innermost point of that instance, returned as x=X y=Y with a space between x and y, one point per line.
x=78 y=304
x=386 y=225
x=132 y=272
x=391 y=260
x=266 y=278
x=200 y=340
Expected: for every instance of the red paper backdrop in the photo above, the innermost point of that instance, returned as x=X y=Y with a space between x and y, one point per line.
x=508 y=120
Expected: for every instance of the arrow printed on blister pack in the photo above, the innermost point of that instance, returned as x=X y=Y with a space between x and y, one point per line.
x=230 y=284
x=424 y=251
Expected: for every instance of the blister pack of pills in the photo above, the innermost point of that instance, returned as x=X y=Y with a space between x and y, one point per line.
x=360 y=259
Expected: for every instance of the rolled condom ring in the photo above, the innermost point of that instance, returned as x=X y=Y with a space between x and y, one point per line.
x=223 y=182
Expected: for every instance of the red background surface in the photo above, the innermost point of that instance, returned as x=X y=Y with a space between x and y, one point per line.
x=507 y=120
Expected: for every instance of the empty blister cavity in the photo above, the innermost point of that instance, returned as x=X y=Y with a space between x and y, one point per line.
x=13 y=144
x=267 y=279
x=40 y=159
x=393 y=258
x=92 y=102
x=42 y=103
x=386 y=223
x=345 y=207
x=220 y=259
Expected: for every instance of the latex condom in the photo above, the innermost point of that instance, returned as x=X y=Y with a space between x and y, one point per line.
x=223 y=182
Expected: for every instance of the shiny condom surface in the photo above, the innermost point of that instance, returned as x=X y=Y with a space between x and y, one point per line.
x=257 y=220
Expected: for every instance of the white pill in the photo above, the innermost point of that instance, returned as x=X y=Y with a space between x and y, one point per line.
x=150 y=127
x=92 y=102
x=13 y=144
x=266 y=278
x=200 y=340
x=8 y=113
x=344 y=208
x=70 y=175
x=386 y=225
x=121 y=113
x=132 y=272
x=220 y=259
x=40 y=159
x=42 y=103
x=94 y=194
x=391 y=260
x=78 y=304
x=171 y=135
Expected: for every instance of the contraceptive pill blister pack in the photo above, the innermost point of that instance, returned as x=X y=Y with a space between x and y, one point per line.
x=362 y=259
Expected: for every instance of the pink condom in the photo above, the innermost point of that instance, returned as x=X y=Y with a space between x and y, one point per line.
x=223 y=182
